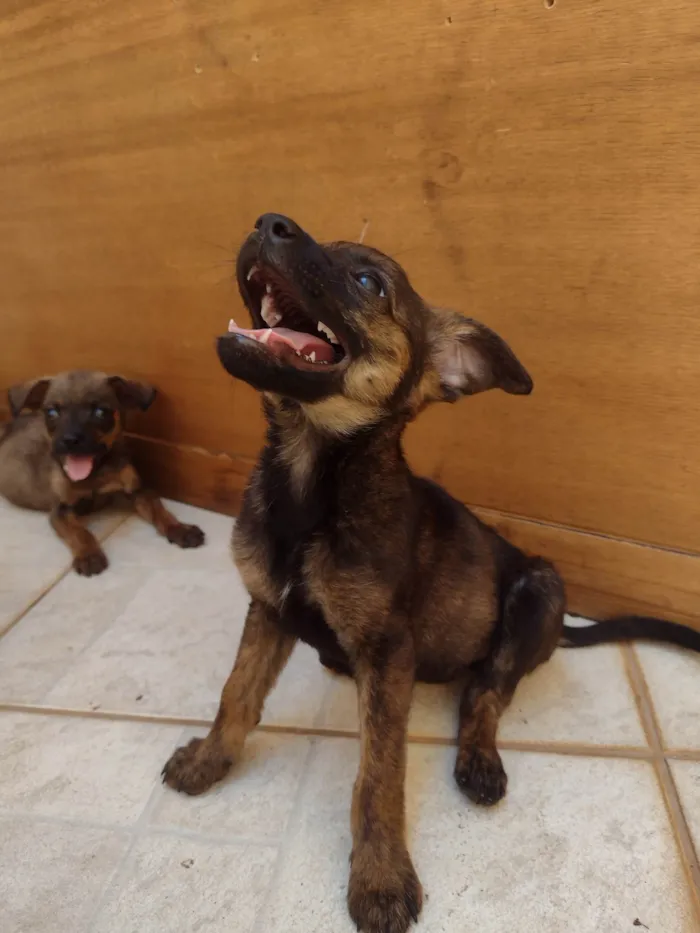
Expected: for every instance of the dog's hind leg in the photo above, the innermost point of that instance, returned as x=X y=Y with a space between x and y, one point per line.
x=525 y=637
x=263 y=652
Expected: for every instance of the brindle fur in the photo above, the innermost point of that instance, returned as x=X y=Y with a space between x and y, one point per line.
x=384 y=573
x=31 y=475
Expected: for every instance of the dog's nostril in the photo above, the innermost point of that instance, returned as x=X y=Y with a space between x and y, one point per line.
x=282 y=231
x=70 y=440
x=277 y=228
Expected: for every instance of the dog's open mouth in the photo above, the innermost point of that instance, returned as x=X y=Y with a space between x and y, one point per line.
x=290 y=333
x=77 y=468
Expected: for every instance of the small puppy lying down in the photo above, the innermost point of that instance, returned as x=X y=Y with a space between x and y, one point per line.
x=65 y=453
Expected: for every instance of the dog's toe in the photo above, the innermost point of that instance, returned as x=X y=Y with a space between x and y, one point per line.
x=186 y=536
x=89 y=565
x=385 y=902
x=194 y=768
x=481 y=776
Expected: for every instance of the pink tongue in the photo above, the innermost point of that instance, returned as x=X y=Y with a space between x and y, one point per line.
x=278 y=338
x=78 y=468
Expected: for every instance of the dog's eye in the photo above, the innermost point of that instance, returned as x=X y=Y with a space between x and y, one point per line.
x=371 y=283
x=100 y=413
x=51 y=413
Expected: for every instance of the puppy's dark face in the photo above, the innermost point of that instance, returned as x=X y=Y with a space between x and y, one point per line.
x=83 y=415
x=339 y=329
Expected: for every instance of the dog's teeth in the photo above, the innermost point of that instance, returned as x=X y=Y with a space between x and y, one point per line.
x=232 y=326
x=328 y=332
x=268 y=288
x=312 y=356
x=253 y=270
x=268 y=311
x=265 y=336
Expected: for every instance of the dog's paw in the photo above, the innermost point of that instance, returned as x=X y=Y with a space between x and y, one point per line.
x=186 y=535
x=195 y=767
x=89 y=565
x=385 y=897
x=481 y=776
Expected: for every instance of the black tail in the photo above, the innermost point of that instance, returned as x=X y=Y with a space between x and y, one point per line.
x=628 y=628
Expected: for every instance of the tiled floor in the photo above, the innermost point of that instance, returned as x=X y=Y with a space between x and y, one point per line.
x=101 y=678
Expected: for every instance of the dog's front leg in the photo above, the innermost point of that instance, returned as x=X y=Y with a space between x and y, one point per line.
x=384 y=894
x=262 y=654
x=88 y=557
x=149 y=507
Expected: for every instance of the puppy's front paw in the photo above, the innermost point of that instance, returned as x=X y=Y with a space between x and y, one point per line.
x=384 y=896
x=195 y=767
x=481 y=776
x=186 y=535
x=89 y=565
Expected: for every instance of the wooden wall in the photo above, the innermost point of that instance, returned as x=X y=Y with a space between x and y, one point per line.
x=534 y=164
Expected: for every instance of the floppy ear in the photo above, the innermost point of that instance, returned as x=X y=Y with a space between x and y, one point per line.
x=131 y=394
x=469 y=357
x=28 y=395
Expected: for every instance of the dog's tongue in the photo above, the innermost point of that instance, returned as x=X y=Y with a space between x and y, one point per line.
x=277 y=339
x=78 y=468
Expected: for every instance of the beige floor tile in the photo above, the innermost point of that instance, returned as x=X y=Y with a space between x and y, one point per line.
x=578 y=696
x=673 y=676
x=172 y=885
x=51 y=876
x=578 y=844
x=31 y=556
x=255 y=801
x=47 y=641
x=172 y=648
x=87 y=769
x=138 y=543
x=686 y=774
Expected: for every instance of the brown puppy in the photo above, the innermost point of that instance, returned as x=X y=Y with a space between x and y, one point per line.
x=340 y=545
x=66 y=454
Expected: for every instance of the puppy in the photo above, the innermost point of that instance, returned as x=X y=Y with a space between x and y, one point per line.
x=341 y=546
x=65 y=453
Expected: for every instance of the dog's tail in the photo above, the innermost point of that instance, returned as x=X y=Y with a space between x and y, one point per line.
x=629 y=628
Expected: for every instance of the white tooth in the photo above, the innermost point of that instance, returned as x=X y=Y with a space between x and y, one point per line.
x=253 y=270
x=312 y=356
x=232 y=326
x=264 y=337
x=268 y=289
x=328 y=332
x=269 y=312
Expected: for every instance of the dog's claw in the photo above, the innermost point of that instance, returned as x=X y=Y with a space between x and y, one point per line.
x=186 y=536
x=481 y=777
x=89 y=565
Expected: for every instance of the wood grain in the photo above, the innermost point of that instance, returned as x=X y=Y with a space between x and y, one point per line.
x=537 y=168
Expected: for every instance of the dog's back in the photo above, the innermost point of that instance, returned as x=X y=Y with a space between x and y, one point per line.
x=25 y=463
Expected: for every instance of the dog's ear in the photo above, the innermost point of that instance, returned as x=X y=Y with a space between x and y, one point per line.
x=131 y=394
x=28 y=395
x=466 y=357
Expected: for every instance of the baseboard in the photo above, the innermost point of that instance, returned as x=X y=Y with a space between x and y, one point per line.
x=604 y=575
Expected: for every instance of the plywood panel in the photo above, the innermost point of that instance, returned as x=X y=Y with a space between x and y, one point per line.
x=535 y=167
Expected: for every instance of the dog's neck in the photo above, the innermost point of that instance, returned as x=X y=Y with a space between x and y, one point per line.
x=303 y=447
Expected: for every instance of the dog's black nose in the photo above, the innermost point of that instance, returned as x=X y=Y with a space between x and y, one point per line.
x=72 y=439
x=277 y=228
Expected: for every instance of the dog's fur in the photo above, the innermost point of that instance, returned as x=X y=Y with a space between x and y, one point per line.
x=341 y=546
x=79 y=413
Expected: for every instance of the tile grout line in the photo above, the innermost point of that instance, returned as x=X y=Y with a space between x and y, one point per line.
x=34 y=601
x=543 y=747
x=293 y=827
x=136 y=833
x=674 y=807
